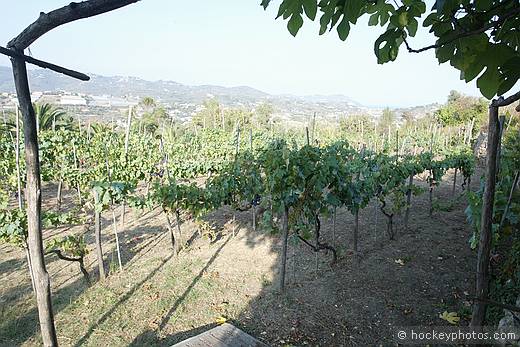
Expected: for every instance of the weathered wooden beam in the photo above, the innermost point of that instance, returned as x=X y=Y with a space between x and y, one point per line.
x=66 y=14
x=34 y=203
x=488 y=199
x=501 y=102
x=43 y=64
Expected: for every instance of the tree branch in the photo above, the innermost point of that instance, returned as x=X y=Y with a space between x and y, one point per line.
x=74 y=11
x=462 y=35
x=501 y=102
x=45 y=65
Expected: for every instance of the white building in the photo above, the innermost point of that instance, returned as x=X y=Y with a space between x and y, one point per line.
x=73 y=100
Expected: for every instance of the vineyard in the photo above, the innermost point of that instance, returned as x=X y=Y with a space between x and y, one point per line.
x=316 y=201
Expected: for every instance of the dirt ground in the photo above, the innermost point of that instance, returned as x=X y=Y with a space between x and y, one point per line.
x=158 y=299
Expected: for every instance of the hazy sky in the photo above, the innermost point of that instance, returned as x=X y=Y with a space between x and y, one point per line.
x=230 y=43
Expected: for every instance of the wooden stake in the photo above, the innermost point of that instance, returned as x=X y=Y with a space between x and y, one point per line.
x=334 y=228
x=488 y=199
x=76 y=164
x=408 y=201
x=501 y=122
x=99 y=250
x=128 y=127
x=178 y=244
x=33 y=189
x=454 y=182
x=117 y=240
x=285 y=236
x=17 y=155
x=253 y=207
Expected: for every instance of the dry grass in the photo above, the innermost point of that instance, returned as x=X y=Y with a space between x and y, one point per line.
x=158 y=300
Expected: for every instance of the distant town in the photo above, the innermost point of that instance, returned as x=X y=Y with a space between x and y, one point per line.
x=108 y=98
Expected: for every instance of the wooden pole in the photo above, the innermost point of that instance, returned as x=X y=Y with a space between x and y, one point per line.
x=334 y=228
x=17 y=155
x=178 y=243
x=408 y=201
x=488 y=199
x=501 y=122
x=117 y=240
x=43 y=64
x=33 y=189
x=509 y=200
x=313 y=137
x=253 y=207
x=454 y=182
x=285 y=236
x=128 y=126
x=99 y=250
x=76 y=164
x=397 y=145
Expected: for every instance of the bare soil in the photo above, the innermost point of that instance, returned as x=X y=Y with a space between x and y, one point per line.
x=158 y=299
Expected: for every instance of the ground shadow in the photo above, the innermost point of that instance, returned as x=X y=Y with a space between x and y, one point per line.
x=14 y=331
x=121 y=301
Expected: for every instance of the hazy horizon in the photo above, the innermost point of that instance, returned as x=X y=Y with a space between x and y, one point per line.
x=237 y=44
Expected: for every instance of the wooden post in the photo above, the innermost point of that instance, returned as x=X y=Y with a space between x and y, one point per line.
x=470 y=134
x=171 y=232
x=58 y=195
x=397 y=145
x=128 y=126
x=307 y=140
x=488 y=199
x=253 y=207
x=285 y=237
x=117 y=240
x=334 y=228
x=237 y=139
x=408 y=201
x=178 y=243
x=501 y=122
x=356 y=213
x=313 y=137
x=430 y=193
x=509 y=200
x=28 y=257
x=33 y=189
x=356 y=230
x=99 y=250
x=454 y=182
x=76 y=164
x=17 y=155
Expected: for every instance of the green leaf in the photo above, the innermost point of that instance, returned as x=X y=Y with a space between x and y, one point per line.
x=445 y=52
x=412 y=27
x=387 y=45
x=295 y=23
x=343 y=29
x=373 y=20
x=310 y=7
x=353 y=9
x=489 y=81
x=510 y=75
x=265 y=3
x=483 y=5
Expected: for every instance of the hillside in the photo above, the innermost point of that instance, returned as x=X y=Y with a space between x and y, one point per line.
x=170 y=91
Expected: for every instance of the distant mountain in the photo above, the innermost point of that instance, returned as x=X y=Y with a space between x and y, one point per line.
x=166 y=91
x=172 y=93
